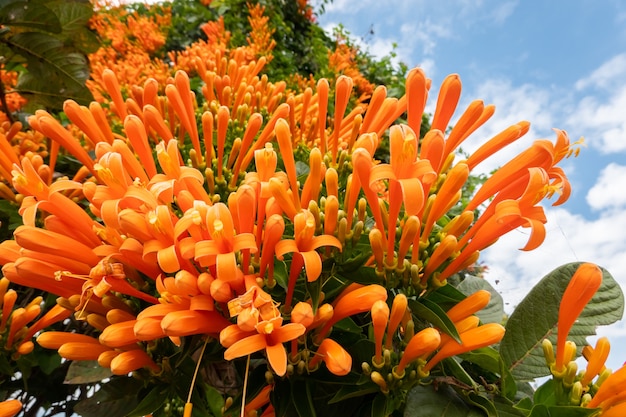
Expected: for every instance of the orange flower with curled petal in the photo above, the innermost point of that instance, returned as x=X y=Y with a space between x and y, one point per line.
x=337 y=359
x=303 y=247
x=270 y=336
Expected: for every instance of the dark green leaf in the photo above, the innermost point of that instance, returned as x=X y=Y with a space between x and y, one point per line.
x=506 y=409
x=379 y=406
x=151 y=402
x=446 y=296
x=46 y=54
x=431 y=312
x=352 y=391
x=545 y=394
x=494 y=311
x=536 y=318
x=443 y=402
x=85 y=372
x=26 y=14
x=483 y=403
x=72 y=15
x=302 y=399
x=116 y=398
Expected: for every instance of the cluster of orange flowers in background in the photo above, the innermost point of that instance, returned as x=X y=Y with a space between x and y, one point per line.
x=192 y=237
x=235 y=219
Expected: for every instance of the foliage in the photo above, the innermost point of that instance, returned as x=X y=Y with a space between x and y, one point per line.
x=240 y=235
x=46 y=43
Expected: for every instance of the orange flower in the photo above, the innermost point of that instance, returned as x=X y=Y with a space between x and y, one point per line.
x=380 y=317
x=596 y=358
x=304 y=251
x=355 y=301
x=337 y=360
x=611 y=391
x=9 y=408
x=270 y=337
x=581 y=288
x=472 y=339
x=422 y=343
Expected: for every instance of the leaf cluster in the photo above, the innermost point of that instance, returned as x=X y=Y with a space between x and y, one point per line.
x=46 y=41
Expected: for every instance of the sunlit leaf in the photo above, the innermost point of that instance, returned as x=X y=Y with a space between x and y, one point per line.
x=85 y=372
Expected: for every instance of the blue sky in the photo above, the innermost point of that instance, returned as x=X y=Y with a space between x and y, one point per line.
x=554 y=63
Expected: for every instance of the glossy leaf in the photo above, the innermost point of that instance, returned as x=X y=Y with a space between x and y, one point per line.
x=536 y=317
x=431 y=312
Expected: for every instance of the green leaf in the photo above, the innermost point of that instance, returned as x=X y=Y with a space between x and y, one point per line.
x=116 y=398
x=354 y=390
x=26 y=14
x=446 y=296
x=379 y=406
x=545 y=394
x=302 y=399
x=536 y=318
x=151 y=401
x=506 y=409
x=494 y=311
x=483 y=403
x=85 y=372
x=215 y=400
x=556 y=411
x=443 y=402
x=73 y=15
x=431 y=312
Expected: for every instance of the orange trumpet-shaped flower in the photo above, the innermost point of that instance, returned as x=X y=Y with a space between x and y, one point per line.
x=581 y=288
x=270 y=337
x=596 y=358
x=81 y=351
x=303 y=247
x=611 y=390
x=132 y=360
x=220 y=250
x=380 y=318
x=357 y=301
x=409 y=178
x=9 y=408
x=398 y=310
x=337 y=360
x=422 y=343
x=469 y=305
x=472 y=339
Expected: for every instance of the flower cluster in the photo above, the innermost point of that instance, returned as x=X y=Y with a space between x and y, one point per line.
x=196 y=226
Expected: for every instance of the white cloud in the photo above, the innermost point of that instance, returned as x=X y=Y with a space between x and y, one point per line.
x=569 y=238
x=502 y=11
x=604 y=194
x=607 y=75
